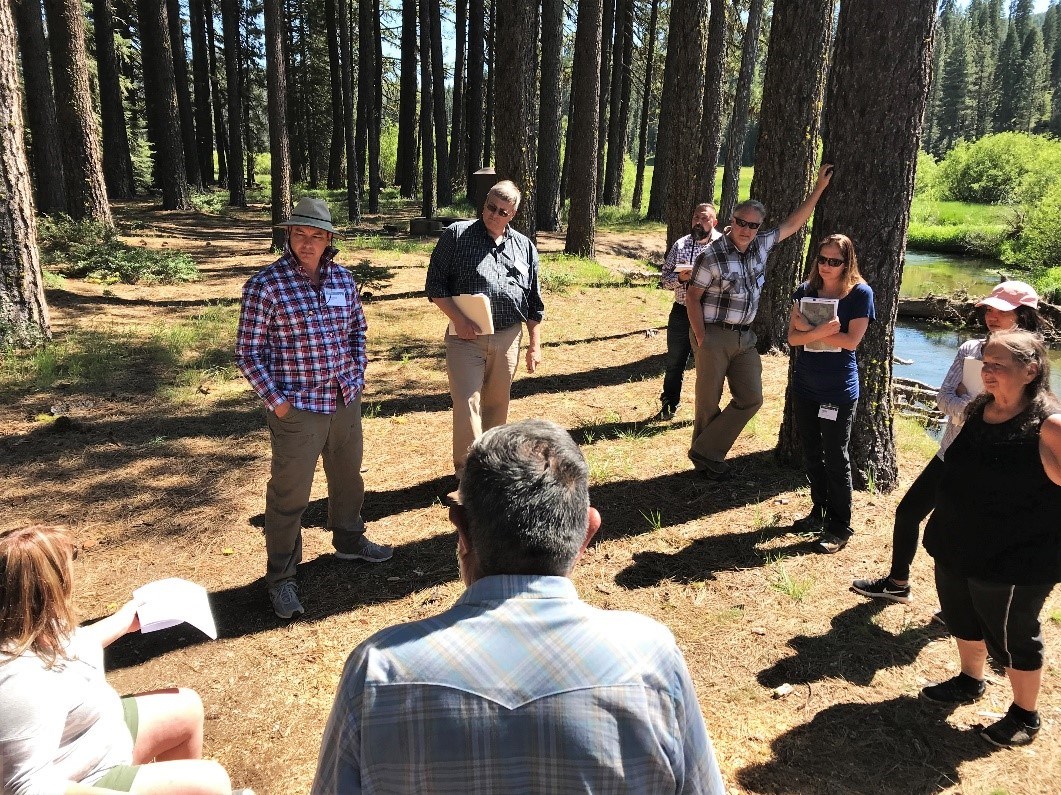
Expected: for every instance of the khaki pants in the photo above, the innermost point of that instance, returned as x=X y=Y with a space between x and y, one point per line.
x=298 y=440
x=480 y=380
x=725 y=355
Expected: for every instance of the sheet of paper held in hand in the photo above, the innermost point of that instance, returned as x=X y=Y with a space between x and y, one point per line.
x=165 y=603
x=818 y=311
x=476 y=307
x=972 y=379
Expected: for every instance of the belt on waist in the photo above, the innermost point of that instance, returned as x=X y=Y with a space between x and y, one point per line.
x=733 y=326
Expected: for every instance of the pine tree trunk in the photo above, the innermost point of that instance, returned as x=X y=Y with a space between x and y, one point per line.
x=204 y=124
x=457 y=141
x=276 y=78
x=516 y=28
x=584 y=126
x=375 y=116
x=46 y=157
x=346 y=54
x=738 y=122
x=184 y=96
x=608 y=45
x=117 y=160
x=23 y=313
x=407 y=134
x=491 y=61
x=365 y=53
x=335 y=80
x=230 y=25
x=86 y=193
x=161 y=96
x=443 y=185
x=683 y=91
x=297 y=133
x=646 y=103
x=872 y=131
x=217 y=101
x=714 y=102
x=620 y=103
x=550 y=107
x=473 y=99
x=786 y=152
x=427 y=135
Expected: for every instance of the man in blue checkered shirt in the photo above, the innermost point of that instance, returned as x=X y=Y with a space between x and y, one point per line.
x=721 y=300
x=520 y=686
x=301 y=345
x=486 y=257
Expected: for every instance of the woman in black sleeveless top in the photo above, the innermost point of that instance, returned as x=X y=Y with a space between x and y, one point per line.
x=994 y=533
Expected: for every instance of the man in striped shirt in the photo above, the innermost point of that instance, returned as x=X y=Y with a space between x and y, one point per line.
x=520 y=686
x=301 y=345
x=722 y=300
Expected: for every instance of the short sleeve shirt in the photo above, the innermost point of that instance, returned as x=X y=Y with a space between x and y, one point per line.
x=827 y=376
x=732 y=280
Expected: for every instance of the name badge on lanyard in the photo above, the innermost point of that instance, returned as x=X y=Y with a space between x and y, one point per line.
x=334 y=296
x=828 y=412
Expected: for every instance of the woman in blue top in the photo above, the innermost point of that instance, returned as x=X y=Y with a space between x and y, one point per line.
x=825 y=386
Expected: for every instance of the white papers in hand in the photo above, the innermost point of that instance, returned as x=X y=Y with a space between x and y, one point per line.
x=165 y=603
x=476 y=307
x=818 y=311
x=971 y=375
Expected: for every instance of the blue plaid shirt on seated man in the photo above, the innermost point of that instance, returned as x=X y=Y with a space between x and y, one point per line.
x=297 y=342
x=733 y=281
x=519 y=687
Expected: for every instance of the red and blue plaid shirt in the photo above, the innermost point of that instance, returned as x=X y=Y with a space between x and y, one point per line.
x=299 y=343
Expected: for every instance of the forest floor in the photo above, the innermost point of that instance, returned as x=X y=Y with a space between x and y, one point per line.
x=160 y=470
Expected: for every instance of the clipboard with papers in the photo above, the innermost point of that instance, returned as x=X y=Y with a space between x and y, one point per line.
x=476 y=307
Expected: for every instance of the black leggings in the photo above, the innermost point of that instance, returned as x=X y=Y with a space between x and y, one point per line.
x=915 y=506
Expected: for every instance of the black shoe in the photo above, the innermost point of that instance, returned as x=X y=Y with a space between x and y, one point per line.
x=1010 y=732
x=960 y=689
x=828 y=544
x=714 y=470
x=811 y=523
x=884 y=588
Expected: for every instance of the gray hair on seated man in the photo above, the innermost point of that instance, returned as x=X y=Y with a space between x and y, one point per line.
x=506 y=189
x=524 y=502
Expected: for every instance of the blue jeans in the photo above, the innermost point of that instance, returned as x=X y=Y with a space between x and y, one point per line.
x=679 y=350
x=826 y=459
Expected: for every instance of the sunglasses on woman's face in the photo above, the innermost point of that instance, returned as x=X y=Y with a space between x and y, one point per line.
x=832 y=262
x=746 y=224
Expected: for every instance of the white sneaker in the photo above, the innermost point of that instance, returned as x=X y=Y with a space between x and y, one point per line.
x=285 y=599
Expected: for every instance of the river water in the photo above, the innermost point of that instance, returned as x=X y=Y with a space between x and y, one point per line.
x=932 y=349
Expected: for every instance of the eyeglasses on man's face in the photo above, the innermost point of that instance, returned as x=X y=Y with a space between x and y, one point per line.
x=741 y=222
x=832 y=262
x=500 y=211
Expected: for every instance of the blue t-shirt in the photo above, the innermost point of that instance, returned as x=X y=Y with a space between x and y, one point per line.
x=828 y=377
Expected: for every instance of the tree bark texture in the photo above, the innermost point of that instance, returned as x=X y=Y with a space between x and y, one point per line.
x=86 y=193
x=473 y=98
x=549 y=113
x=620 y=102
x=714 y=102
x=346 y=54
x=427 y=135
x=406 y=159
x=23 y=312
x=488 y=99
x=443 y=183
x=335 y=79
x=230 y=24
x=217 y=102
x=457 y=140
x=161 y=97
x=184 y=95
x=738 y=120
x=117 y=159
x=872 y=132
x=365 y=53
x=585 y=88
x=46 y=157
x=204 y=123
x=789 y=121
x=276 y=79
x=608 y=44
x=375 y=115
x=515 y=108
x=646 y=106
x=683 y=91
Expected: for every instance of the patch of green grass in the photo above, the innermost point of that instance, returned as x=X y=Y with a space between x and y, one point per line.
x=780 y=579
x=91 y=250
x=558 y=272
x=910 y=438
x=654 y=518
x=381 y=243
x=53 y=281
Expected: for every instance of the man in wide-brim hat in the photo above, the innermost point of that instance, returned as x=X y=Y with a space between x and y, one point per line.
x=301 y=345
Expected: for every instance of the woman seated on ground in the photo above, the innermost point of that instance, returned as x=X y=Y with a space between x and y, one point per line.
x=825 y=386
x=1010 y=305
x=994 y=531
x=64 y=729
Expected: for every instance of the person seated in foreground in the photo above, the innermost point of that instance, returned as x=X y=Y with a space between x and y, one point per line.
x=520 y=686
x=64 y=730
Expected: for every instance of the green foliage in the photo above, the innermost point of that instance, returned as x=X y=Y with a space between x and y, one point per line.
x=1039 y=244
x=93 y=251
x=388 y=151
x=1006 y=167
x=558 y=272
x=925 y=182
